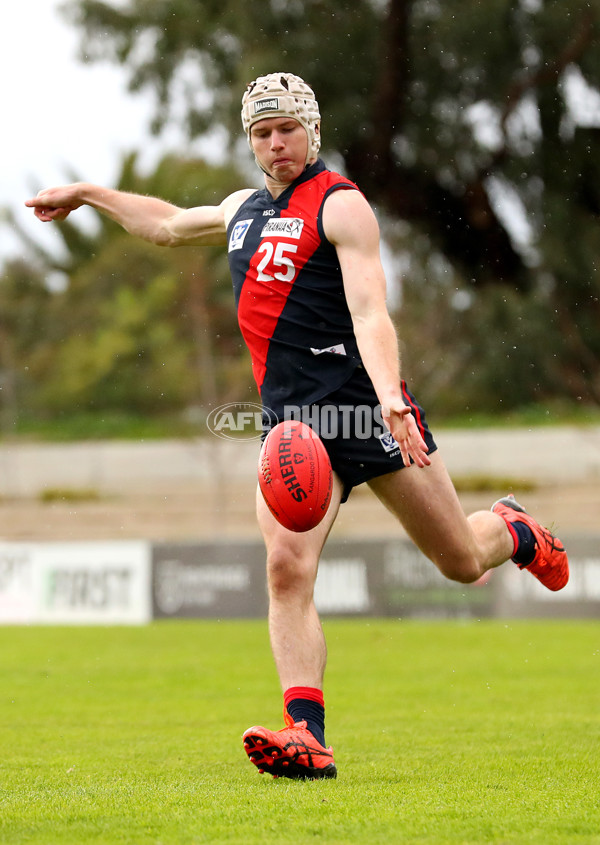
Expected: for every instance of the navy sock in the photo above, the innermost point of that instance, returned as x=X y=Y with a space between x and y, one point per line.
x=525 y=552
x=313 y=713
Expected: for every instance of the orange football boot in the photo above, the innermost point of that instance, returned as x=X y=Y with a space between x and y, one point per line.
x=550 y=564
x=292 y=752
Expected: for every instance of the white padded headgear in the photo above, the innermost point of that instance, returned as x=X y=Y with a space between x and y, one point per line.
x=283 y=95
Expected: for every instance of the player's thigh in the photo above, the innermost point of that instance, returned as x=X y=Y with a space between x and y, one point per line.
x=425 y=502
x=295 y=555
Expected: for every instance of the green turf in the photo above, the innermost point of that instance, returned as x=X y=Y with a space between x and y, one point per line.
x=444 y=733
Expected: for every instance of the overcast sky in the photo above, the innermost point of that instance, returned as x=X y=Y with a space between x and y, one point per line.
x=59 y=114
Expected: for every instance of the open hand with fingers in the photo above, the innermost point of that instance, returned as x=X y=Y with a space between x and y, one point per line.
x=403 y=427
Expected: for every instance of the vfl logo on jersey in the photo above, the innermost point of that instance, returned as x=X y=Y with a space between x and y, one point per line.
x=388 y=442
x=238 y=234
x=283 y=227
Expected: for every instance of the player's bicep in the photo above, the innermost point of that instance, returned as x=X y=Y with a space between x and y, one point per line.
x=204 y=225
x=350 y=225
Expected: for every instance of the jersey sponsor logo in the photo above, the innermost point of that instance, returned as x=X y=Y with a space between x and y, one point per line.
x=271 y=104
x=238 y=234
x=269 y=212
x=388 y=442
x=337 y=349
x=283 y=227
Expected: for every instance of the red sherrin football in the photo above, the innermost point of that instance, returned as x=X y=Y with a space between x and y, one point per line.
x=294 y=475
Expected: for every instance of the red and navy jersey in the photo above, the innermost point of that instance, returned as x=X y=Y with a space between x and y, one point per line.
x=289 y=292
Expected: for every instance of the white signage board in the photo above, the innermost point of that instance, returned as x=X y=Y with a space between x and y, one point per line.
x=75 y=583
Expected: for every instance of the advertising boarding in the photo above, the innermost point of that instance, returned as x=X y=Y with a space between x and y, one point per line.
x=75 y=583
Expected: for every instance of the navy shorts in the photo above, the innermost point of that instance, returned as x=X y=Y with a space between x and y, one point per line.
x=350 y=425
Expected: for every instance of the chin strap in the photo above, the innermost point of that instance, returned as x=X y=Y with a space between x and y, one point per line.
x=266 y=172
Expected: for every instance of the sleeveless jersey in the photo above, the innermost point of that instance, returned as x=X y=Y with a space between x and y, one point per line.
x=289 y=292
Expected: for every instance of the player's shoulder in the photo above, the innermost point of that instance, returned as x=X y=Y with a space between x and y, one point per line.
x=336 y=187
x=231 y=204
x=347 y=214
x=347 y=201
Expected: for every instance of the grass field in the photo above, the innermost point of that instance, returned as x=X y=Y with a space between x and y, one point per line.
x=481 y=732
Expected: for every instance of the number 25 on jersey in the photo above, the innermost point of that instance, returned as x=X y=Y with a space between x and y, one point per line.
x=276 y=262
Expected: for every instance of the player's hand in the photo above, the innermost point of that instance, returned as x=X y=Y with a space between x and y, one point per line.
x=405 y=431
x=55 y=203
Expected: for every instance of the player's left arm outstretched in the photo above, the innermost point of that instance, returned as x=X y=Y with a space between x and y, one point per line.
x=350 y=225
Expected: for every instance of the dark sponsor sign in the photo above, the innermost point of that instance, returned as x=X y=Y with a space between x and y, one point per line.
x=210 y=580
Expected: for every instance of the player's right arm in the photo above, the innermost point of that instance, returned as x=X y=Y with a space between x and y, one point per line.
x=150 y=218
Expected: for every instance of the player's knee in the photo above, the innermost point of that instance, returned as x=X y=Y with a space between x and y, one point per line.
x=463 y=568
x=289 y=572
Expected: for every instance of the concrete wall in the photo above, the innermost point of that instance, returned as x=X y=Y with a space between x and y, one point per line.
x=551 y=454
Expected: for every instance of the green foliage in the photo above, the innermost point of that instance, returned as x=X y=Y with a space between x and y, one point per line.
x=424 y=102
x=483 y=483
x=24 y=303
x=443 y=733
x=223 y=46
x=435 y=109
x=122 y=350
x=137 y=329
x=69 y=425
x=68 y=494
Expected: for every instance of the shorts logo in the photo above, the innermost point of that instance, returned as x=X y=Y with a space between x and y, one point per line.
x=238 y=234
x=272 y=104
x=287 y=227
x=388 y=442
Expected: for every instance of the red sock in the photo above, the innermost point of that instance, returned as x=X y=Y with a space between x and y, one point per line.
x=309 y=693
x=306 y=703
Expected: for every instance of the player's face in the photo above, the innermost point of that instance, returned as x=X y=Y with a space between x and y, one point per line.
x=280 y=144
